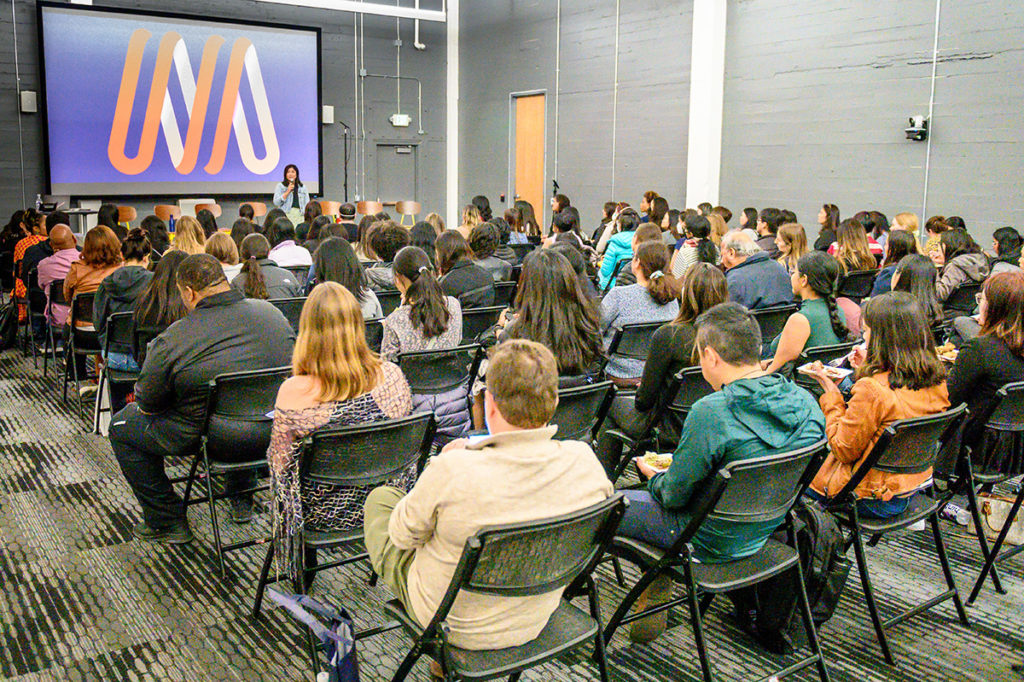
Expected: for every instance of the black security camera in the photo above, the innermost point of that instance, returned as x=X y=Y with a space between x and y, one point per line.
x=918 y=129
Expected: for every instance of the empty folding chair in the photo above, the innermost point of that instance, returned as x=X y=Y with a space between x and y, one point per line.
x=118 y=339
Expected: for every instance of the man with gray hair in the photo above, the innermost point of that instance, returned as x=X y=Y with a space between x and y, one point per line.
x=755 y=280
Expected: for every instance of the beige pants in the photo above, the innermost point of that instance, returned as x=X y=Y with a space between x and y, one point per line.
x=390 y=563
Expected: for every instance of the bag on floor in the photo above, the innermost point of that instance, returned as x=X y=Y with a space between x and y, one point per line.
x=995 y=510
x=335 y=632
x=8 y=325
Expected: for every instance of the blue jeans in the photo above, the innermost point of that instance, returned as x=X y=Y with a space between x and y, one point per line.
x=646 y=520
x=873 y=509
x=121 y=361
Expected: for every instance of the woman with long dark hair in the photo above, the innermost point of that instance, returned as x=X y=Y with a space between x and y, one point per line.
x=241 y=229
x=483 y=205
x=335 y=261
x=208 y=221
x=529 y=219
x=852 y=248
x=422 y=235
x=828 y=221
x=260 y=277
x=319 y=230
x=309 y=214
x=290 y=195
x=460 y=276
x=916 y=275
x=109 y=215
x=160 y=304
x=156 y=232
x=899 y=245
x=273 y=215
x=697 y=247
x=961 y=261
x=120 y=290
x=900 y=377
x=819 y=322
x=1006 y=245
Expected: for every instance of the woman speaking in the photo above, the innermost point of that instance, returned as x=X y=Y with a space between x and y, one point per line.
x=291 y=196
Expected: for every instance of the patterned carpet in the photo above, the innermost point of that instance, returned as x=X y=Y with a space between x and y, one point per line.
x=80 y=600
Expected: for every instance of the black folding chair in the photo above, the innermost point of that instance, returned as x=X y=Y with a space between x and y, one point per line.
x=301 y=272
x=522 y=560
x=521 y=250
x=687 y=387
x=389 y=301
x=772 y=320
x=238 y=419
x=476 y=321
x=36 y=309
x=1000 y=454
x=83 y=343
x=622 y=262
x=481 y=297
x=856 y=285
x=374 y=334
x=141 y=336
x=430 y=372
x=6 y=273
x=755 y=490
x=906 y=446
x=632 y=341
x=503 y=293
x=822 y=354
x=363 y=455
x=291 y=308
x=961 y=301
x=118 y=339
x=55 y=296
x=582 y=410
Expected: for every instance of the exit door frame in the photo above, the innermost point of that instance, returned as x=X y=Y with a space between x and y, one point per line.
x=543 y=219
x=394 y=142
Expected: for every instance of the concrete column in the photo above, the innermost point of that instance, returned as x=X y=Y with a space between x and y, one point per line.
x=707 y=85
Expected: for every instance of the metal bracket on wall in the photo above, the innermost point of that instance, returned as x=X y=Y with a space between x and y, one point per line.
x=419 y=92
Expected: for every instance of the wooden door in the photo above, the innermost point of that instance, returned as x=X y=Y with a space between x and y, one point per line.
x=529 y=161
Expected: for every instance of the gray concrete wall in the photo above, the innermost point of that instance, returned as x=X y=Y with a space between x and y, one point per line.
x=338 y=80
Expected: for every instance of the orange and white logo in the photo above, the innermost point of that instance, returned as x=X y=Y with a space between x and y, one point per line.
x=197 y=94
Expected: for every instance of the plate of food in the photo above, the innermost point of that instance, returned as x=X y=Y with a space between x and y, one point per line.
x=947 y=352
x=658 y=461
x=833 y=373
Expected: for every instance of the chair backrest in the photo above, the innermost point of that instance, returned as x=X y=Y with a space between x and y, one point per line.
x=623 y=262
x=581 y=410
x=367 y=454
x=908 y=446
x=633 y=341
x=291 y=308
x=692 y=387
x=535 y=557
x=166 y=211
x=215 y=209
x=430 y=372
x=141 y=336
x=374 y=334
x=1007 y=409
x=404 y=208
x=503 y=293
x=239 y=411
x=259 y=209
x=857 y=284
x=963 y=297
x=772 y=320
x=7 y=269
x=81 y=308
x=826 y=353
x=476 y=321
x=329 y=208
x=301 y=272
x=369 y=207
x=36 y=299
x=126 y=214
x=517 y=269
x=474 y=297
x=119 y=330
x=522 y=249
x=56 y=293
x=389 y=300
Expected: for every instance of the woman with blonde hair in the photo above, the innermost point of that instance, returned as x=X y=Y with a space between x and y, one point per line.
x=189 y=236
x=852 y=249
x=436 y=221
x=791 y=240
x=907 y=222
x=470 y=219
x=718 y=228
x=338 y=381
x=222 y=247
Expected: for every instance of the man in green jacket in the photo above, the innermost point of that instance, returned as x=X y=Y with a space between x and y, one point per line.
x=751 y=414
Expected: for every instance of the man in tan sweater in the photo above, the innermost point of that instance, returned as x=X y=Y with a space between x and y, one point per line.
x=517 y=473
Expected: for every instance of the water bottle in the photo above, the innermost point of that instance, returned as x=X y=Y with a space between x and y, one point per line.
x=39 y=201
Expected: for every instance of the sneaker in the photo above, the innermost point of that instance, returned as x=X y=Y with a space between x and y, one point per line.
x=241 y=510
x=177 y=534
x=88 y=391
x=647 y=629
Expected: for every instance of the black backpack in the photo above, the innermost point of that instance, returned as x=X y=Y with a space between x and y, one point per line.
x=768 y=612
x=8 y=325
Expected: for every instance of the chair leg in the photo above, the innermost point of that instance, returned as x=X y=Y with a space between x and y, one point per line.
x=697 y=624
x=299 y=585
x=191 y=480
x=407 y=663
x=812 y=632
x=261 y=586
x=213 y=517
x=990 y=562
x=599 y=648
x=869 y=596
x=972 y=502
x=627 y=603
x=617 y=567
x=705 y=603
x=940 y=548
x=64 y=393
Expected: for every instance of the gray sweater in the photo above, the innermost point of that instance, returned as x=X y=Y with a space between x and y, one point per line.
x=630 y=305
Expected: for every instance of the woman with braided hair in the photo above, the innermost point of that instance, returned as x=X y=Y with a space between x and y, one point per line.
x=819 y=321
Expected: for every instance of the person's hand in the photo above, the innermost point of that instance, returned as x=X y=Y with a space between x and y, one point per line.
x=857 y=356
x=765 y=364
x=503 y=318
x=645 y=469
x=817 y=370
x=457 y=444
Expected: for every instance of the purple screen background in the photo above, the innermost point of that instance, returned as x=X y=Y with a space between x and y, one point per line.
x=84 y=56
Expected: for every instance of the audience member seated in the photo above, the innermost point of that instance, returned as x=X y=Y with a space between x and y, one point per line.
x=751 y=414
x=565 y=227
x=1006 y=245
x=899 y=245
x=645 y=233
x=320 y=229
x=260 y=277
x=247 y=212
x=791 y=243
x=460 y=276
x=853 y=249
x=347 y=214
x=916 y=275
x=101 y=255
x=514 y=218
x=386 y=240
x=617 y=244
x=241 y=229
x=335 y=261
x=223 y=332
x=156 y=232
x=704 y=287
x=426 y=320
x=994 y=357
x=160 y=304
x=362 y=245
x=518 y=473
x=755 y=280
x=12 y=233
x=34 y=255
x=696 y=247
x=768 y=223
x=208 y=222
x=819 y=321
x=338 y=381
x=109 y=215
x=900 y=377
x=960 y=261
x=34 y=226
x=309 y=214
x=934 y=227
x=483 y=241
x=580 y=266
x=654 y=298
x=222 y=247
x=285 y=251
x=189 y=236
x=423 y=236
x=907 y=222
x=470 y=218
x=121 y=289
x=272 y=216
x=504 y=251
x=55 y=268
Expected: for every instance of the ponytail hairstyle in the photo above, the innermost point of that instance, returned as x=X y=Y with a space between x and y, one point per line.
x=428 y=308
x=135 y=246
x=822 y=272
x=699 y=227
x=652 y=260
x=831 y=217
x=483 y=205
x=254 y=248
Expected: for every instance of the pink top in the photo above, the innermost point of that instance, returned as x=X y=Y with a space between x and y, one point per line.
x=52 y=269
